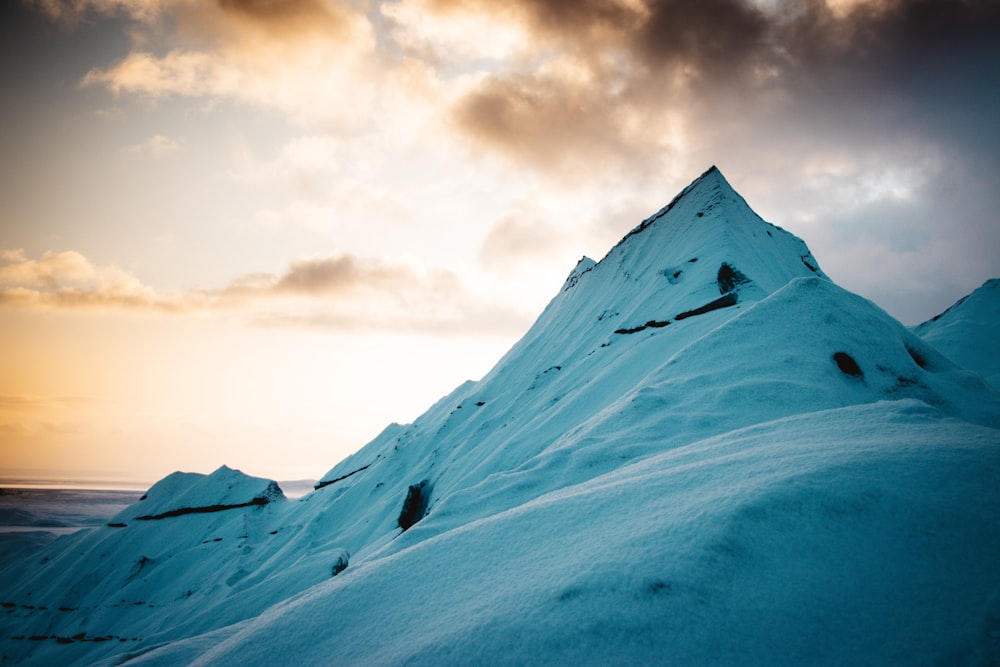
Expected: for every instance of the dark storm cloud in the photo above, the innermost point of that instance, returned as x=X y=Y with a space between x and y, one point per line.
x=912 y=64
x=718 y=37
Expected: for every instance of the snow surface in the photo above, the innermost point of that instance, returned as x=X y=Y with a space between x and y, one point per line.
x=631 y=484
x=969 y=331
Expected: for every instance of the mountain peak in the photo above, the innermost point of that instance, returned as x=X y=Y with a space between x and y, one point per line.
x=724 y=438
x=710 y=187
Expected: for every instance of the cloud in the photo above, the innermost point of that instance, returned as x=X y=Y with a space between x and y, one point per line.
x=522 y=236
x=313 y=60
x=339 y=291
x=817 y=110
x=156 y=146
x=722 y=69
x=68 y=280
x=21 y=403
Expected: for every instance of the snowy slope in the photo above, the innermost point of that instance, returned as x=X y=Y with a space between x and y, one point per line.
x=969 y=332
x=702 y=451
x=837 y=537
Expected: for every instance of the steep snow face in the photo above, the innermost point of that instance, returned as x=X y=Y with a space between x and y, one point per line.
x=705 y=245
x=682 y=415
x=968 y=333
x=700 y=261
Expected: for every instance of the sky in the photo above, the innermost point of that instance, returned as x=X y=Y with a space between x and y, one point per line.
x=255 y=232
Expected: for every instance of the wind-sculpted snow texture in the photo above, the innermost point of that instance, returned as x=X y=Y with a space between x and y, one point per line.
x=703 y=452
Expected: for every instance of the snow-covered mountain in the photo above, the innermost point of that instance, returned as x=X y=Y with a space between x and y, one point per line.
x=703 y=452
x=969 y=332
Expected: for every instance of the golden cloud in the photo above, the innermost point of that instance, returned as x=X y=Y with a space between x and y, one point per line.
x=339 y=291
x=312 y=60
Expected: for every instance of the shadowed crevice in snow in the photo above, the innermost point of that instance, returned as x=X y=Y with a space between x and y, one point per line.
x=321 y=484
x=918 y=358
x=724 y=301
x=415 y=504
x=651 y=324
x=207 y=509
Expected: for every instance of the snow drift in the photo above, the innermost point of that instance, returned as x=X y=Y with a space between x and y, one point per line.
x=703 y=451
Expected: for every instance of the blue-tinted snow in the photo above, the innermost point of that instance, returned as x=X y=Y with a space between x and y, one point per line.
x=715 y=490
x=969 y=331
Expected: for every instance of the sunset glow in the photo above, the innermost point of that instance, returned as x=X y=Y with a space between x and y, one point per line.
x=255 y=233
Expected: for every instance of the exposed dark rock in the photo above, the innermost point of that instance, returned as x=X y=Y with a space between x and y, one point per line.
x=117 y=525
x=207 y=509
x=722 y=302
x=847 y=364
x=805 y=260
x=320 y=485
x=341 y=563
x=729 y=278
x=415 y=504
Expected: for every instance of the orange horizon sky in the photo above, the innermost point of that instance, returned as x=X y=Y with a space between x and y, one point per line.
x=255 y=233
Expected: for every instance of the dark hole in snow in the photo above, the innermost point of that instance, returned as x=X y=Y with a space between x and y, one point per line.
x=692 y=260
x=480 y=404
x=341 y=563
x=700 y=214
x=722 y=302
x=918 y=359
x=729 y=277
x=415 y=504
x=847 y=365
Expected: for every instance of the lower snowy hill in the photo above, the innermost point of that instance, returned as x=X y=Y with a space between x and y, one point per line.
x=703 y=452
x=969 y=331
x=862 y=535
